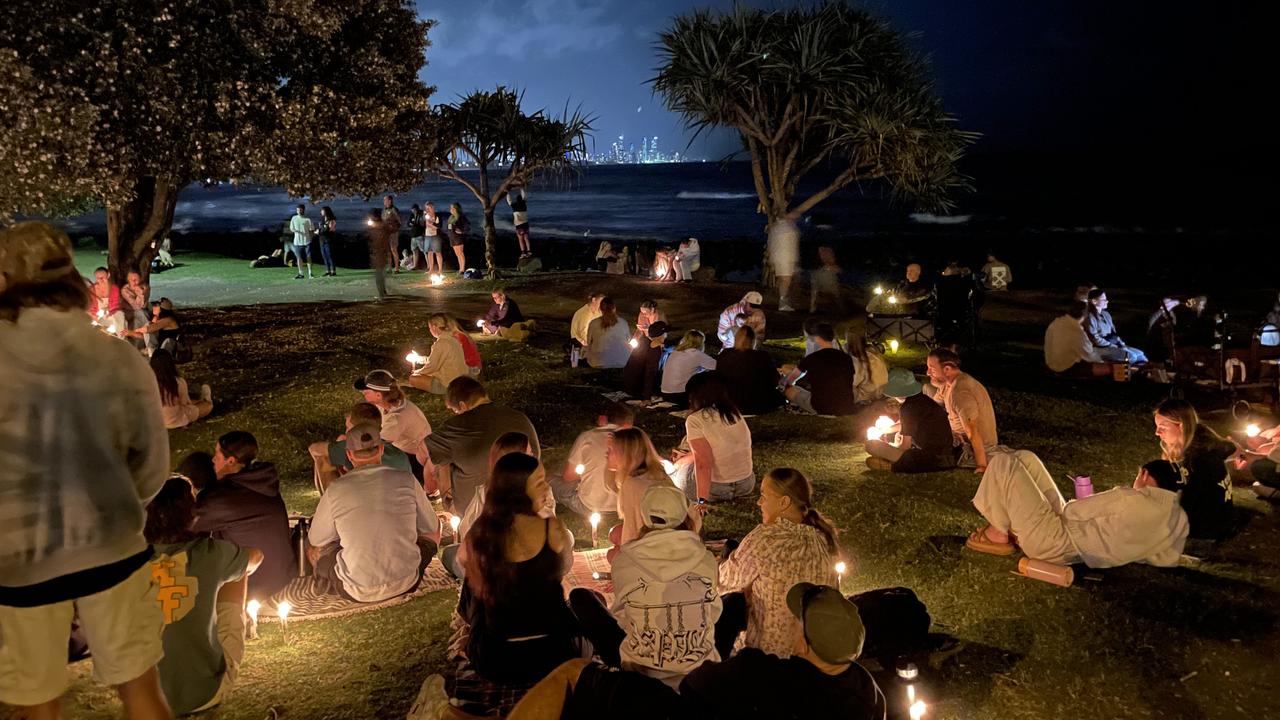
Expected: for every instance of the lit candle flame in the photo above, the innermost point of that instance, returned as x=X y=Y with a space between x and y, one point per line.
x=884 y=422
x=874 y=433
x=579 y=468
x=917 y=710
x=1253 y=430
x=413 y=357
x=911 y=694
x=595 y=575
x=595 y=520
x=634 y=343
x=252 y=607
x=879 y=290
x=369 y=222
x=893 y=299
x=479 y=323
x=454 y=522
x=282 y=610
x=894 y=345
x=437 y=279
x=840 y=568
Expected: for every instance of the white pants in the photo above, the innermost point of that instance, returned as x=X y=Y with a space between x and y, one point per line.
x=1017 y=495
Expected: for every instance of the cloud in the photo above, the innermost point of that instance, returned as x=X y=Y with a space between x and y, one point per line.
x=532 y=29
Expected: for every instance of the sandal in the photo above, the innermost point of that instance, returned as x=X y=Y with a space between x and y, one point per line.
x=979 y=542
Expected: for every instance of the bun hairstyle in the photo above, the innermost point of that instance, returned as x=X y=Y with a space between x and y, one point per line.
x=795 y=485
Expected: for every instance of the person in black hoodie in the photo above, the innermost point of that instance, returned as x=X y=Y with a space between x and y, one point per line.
x=243 y=505
x=751 y=375
x=643 y=371
x=1201 y=456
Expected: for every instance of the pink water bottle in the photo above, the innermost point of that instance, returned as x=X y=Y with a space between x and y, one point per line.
x=1084 y=486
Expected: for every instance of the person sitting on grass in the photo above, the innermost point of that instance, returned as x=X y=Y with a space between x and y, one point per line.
x=502 y=315
x=583 y=317
x=1144 y=523
x=1101 y=330
x=664 y=589
x=106 y=306
x=446 y=362
x=1067 y=349
x=634 y=467
x=718 y=465
x=512 y=596
x=749 y=305
x=794 y=543
x=201 y=591
x=1197 y=449
x=374 y=532
x=470 y=353
x=460 y=446
x=642 y=375
x=162 y=331
x=648 y=315
x=607 y=338
x=330 y=457
x=821 y=677
x=827 y=377
x=870 y=372
x=135 y=299
x=179 y=409
x=403 y=423
x=243 y=506
x=512 y=442
x=584 y=487
x=751 y=374
x=923 y=442
x=687 y=260
x=969 y=409
x=688 y=359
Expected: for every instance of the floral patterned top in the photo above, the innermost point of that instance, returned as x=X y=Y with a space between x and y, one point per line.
x=770 y=561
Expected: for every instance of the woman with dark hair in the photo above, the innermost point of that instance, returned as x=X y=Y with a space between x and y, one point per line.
x=607 y=338
x=1202 y=454
x=459 y=228
x=198 y=668
x=869 y=369
x=750 y=373
x=198 y=468
x=328 y=235
x=719 y=440
x=175 y=399
x=521 y=627
x=794 y=543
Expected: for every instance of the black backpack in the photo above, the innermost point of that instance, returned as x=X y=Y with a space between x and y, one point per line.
x=896 y=622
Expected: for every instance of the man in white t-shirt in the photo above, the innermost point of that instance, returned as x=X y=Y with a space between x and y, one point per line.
x=1067 y=349
x=583 y=488
x=784 y=255
x=302 y=230
x=374 y=531
x=969 y=408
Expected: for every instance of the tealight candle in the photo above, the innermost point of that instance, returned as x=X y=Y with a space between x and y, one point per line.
x=894 y=345
x=893 y=299
x=579 y=468
x=437 y=279
x=634 y=343
x=479 y=323
x=1253 y=430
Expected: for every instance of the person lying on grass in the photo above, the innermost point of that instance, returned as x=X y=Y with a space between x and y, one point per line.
x=1144 y=523
x=201 y=589
x=373 y=532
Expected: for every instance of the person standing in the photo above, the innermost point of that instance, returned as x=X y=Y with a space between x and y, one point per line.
x=74 y=502
x=518 y=199
x=434 y=243
x=391 y=226
x=417 y=235
x=378 y=247
x=328 y=235
x=302 y=229
x=459 y=228
x=784 y=254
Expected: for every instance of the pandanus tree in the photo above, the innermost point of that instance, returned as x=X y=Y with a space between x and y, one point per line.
x=124 y=103
x=507 y=147
x=807 y=88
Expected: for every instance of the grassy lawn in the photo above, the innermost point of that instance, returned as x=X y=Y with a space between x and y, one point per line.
x=1194 y=642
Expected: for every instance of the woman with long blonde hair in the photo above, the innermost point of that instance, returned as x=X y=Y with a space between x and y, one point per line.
x=634 y=467
x=688 y=359
x=1201 y=455
x=470 y=352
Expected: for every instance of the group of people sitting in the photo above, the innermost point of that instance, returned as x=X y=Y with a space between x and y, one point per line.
x=1083 y=341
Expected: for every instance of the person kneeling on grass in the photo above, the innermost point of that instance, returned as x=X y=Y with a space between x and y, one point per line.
x=373 y=533
x=820 y=678
x=718 y=465
x=446 y=362
x=201 y=591
x=923 y=442
x=584 y=488
x=330 y=457
x=665 y=596
x=1144 y=523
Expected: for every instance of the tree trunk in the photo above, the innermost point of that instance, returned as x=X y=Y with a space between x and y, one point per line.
x=490 y=241
x=134 y=228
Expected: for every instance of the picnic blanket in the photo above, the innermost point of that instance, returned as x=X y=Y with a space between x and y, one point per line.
x=311 y=604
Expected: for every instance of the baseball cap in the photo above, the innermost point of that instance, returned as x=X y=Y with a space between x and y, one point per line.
x=34 y=253
x=902 y=384
x=663 y=506
x=380 y=380
x=753 y=298
x=832 y=625
x=363 y=436
x=657 y=329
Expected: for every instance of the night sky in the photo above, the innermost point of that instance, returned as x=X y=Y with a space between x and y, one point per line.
x=1148 y=78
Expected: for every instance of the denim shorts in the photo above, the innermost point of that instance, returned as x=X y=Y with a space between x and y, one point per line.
x=435 y=243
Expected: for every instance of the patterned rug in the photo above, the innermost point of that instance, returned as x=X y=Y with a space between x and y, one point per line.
x=310 y=604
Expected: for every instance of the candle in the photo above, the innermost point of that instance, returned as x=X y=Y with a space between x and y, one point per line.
x=894 y=345
x=884 y=422
x=437 y=279
x=893 y=299
x=479 y=323
x=413 y=358
x=369 y=222
x=1253 y=430
x=252 y=607
x=454 y=522
x=634 y=343
x=840 y=568
x=917 y=710
x=879 y=290
x=282 y=612
x=595 y=525
x=579 y=469
x=874 y=433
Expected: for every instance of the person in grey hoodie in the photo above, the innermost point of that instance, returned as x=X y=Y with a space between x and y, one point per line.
x=666 y=596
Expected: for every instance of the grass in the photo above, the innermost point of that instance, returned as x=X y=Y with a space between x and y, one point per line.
x=1134 y=642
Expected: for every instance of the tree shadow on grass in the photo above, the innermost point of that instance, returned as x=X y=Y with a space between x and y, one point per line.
x=1191 y=602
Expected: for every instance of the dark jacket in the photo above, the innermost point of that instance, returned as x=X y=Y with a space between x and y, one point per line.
x=246 y=509
x=1206 y=497
x=642 y=372
x=504 y=315
x=716 y=690
x=752 y=378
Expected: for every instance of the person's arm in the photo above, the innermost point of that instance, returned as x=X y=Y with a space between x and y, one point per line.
x=741 y=569
x=1086 y=351
x=428 y=523
x=704 y=465
x=1093 y=331
x=979 y=445
x=706 y=362
x=561 y=541
x=323 y=530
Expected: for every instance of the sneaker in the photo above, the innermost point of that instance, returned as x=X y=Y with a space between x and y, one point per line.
x=876 y=463
x=310 y=276
x=298 y=276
